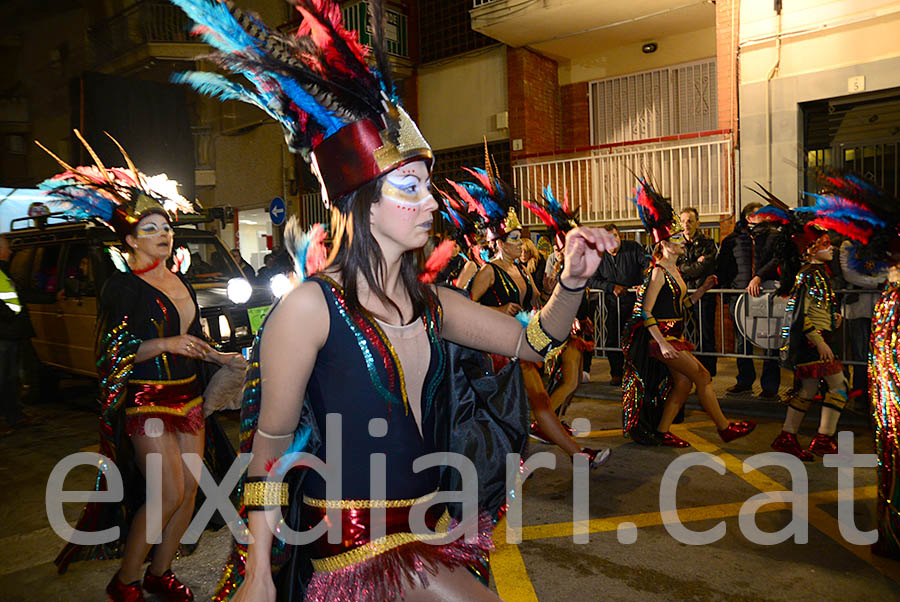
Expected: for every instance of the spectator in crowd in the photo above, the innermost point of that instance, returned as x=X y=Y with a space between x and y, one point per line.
x=268 y=270
x=747 y=260
x=532 y=262
x=858 y=314
x=15 y=328
x=248 y=270
x=619 y=270
x=697 y=263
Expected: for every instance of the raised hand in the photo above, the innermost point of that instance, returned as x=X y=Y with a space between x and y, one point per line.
x=584 y=249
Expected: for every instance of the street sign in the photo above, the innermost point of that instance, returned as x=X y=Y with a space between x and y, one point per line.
x=277 y=211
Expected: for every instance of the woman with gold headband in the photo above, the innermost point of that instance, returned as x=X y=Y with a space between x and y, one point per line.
x=349 y=366
x=149 y=343
x=659 y=366
x=503 y=285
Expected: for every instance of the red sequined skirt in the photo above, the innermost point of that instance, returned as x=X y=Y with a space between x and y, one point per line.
x=371 y=564
x=177 y=403
x=673 y=331
x=810 y=366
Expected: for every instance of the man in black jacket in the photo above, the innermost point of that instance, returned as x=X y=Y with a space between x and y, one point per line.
x=15 y=327
x=619 y=271
x=696 y=265
x=746 y=260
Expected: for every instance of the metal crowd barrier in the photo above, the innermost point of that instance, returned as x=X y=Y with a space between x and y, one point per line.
x=760 y=317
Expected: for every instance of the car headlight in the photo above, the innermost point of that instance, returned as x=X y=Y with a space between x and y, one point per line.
x=239 y=290
x=224 y=327
x=204 y=326
x=280 y=285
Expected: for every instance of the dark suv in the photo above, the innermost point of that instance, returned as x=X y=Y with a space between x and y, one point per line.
x=59 y=270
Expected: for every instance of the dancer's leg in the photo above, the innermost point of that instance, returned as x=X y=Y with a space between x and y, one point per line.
x=570 y=361
x=686 y=364
x=449 y=586
x=172 y=494
x=547 y=421
x=681 y=388
x=188 y=443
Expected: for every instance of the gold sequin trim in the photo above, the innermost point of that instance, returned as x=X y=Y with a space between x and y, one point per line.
x=536 y=336
x=154 y=409
x=266 y=493
x=379 y=546
x=362 y=504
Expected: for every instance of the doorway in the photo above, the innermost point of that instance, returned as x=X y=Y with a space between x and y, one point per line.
x=255 y=236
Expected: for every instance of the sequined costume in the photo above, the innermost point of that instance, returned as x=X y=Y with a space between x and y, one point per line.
x=813 y=304
x=884 y=383
x=359 y=376
x=168 y=387
x=647 y=381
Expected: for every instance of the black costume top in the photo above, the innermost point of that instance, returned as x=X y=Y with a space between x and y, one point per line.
x=504 y=290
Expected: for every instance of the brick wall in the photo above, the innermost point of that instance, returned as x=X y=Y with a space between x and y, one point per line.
x=533 y=101
x=726 y=62
x=575 y=130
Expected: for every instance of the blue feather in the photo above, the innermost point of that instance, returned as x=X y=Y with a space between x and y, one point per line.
x=524 y=317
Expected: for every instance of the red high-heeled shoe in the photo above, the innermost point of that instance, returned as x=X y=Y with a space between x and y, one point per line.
x=167 y=586
x=117 y=591
x=787 y=442
x=596 y=457
x=736 y=430
x=823 y=444
x=670 y=440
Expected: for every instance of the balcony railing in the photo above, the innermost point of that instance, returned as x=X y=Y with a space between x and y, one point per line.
x=693 y=172
x=143 y=23
x=313 y=210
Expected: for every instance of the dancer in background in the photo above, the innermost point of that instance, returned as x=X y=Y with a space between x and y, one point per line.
x=149 y=346
x=659 y=366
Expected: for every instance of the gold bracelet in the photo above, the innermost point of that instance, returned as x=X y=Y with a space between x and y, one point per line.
x=538 y=338
x=265 y=494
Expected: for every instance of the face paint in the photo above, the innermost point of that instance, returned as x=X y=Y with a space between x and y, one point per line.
x=403 y=189
x=149 y=230
x=513 y=237
x=677 y=238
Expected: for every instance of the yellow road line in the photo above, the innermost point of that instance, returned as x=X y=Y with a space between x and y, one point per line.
x=734 y=465
x=508 y=569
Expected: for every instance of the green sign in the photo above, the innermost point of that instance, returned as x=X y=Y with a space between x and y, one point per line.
x=257 y=315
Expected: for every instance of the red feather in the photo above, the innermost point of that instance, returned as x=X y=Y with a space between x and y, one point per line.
x=437 y=261
x=644 y=201
x=542 y=214
x=849 y=229
x=471 y=202
x=313 y=25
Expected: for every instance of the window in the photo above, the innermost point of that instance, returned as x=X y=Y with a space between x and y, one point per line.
x=445 y=29
x=78 y=272
x=664 y=102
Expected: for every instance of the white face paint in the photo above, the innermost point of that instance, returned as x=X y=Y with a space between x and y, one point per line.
x=403 y=213
x=404 y=189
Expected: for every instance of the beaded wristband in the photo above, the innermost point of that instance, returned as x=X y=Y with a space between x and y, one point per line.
x=569 y=288
x=262 y=494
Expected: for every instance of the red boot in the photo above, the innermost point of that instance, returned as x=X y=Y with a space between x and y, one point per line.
x=787 y=443
x=117 y=591
x=823 y=444
x=735 y=430
x=167 y=586
x=670 y=440
x=596 y=457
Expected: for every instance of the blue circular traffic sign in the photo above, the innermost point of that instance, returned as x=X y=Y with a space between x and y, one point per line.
x=277 y=211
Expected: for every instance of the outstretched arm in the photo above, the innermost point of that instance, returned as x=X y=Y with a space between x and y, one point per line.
x=469 y=324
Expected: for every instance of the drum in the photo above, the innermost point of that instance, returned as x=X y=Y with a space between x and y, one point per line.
x=759 y=319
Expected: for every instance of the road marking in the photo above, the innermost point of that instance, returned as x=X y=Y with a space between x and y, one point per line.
x=508 y=569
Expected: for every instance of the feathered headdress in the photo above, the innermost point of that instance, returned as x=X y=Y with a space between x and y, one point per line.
x=655 y=211
x=341 y=115
x=307 y=249
x=118 y=196
x=466 y=224
x=864 y=213
x=558 y=217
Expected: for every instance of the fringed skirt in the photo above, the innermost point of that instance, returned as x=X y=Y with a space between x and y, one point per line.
x=810 y=366
x=371 y=565
x=177 y=403
x=673 y=331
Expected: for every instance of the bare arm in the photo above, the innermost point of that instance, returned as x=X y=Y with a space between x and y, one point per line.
x=484 y=279
x=287 y=356
x=466 y=274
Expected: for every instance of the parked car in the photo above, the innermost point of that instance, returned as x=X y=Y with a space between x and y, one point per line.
x=59 y=270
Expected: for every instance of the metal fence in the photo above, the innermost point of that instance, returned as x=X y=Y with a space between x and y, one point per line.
x=313 y=210
x=694 y=173
x=761 y=316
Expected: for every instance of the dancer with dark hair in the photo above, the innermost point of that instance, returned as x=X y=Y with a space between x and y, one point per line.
x=362 y=340
x=659 y=366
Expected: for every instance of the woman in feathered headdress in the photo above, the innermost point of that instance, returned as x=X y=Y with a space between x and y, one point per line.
x=467 y=229
x=149 y=343
x=870 y=218
x=659 y=366
x=361 y=341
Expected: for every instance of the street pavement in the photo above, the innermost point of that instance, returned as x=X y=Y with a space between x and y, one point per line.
x=631 y=553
